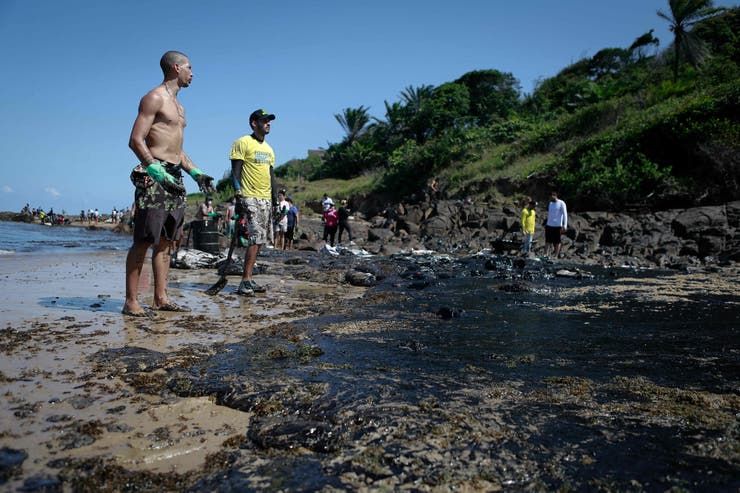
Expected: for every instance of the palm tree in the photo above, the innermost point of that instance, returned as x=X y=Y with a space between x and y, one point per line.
x=413 y=97
x=354 y=122
x=391 y=130
x=413 y=100
x=683 y=15
x=638 y=46
x=394 y=118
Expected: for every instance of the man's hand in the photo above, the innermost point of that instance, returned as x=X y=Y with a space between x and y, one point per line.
x=241 y=207
x=205 y=182
x=167 y=181
x=173 y=187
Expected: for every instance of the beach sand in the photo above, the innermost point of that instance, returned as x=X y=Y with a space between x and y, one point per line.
x=320 y=384
x=59 y=310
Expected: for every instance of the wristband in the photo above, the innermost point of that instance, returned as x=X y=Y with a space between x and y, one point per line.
x=195 y=173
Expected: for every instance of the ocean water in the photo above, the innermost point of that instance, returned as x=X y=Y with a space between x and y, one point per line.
x=21 y=238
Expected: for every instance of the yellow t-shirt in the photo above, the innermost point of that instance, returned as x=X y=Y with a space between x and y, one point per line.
x=528 y=220
x=258 y=158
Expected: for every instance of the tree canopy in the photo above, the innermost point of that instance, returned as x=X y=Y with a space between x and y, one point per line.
x=613 y=126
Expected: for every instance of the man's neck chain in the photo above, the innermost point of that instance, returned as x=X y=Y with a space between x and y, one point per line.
x=177 y=103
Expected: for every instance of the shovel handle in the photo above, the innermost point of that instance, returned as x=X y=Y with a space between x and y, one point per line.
x=221 y=283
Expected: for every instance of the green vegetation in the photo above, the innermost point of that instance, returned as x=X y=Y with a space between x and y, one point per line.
x=683 y=15
x=632 y=125
x=304 y=191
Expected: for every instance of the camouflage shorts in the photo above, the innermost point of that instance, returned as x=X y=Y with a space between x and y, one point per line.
x=150 y=194
x=258 y=220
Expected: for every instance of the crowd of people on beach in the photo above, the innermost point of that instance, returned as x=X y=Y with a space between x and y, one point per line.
x=335 y=220
x=285 y=219
x=91 y=216
x=45 y=217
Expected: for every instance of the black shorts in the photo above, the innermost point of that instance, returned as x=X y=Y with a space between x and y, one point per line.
x=552 y=234
x=289 y=233
x=151 y=224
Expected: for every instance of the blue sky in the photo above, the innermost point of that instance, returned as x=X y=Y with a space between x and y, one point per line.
x=75 y=70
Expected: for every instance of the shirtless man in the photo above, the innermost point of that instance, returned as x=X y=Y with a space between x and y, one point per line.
x=156 y=139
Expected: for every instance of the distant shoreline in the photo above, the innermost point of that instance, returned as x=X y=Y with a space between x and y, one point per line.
x=7 y=216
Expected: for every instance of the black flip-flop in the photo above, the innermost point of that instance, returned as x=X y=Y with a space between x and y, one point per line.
x=173 y=307
x=142 y=314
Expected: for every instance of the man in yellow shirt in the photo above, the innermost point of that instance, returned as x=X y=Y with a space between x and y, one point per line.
x=528 y=222
x=253 y=177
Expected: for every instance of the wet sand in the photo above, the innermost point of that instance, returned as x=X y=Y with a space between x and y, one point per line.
x=59 y=310
x=322 y=385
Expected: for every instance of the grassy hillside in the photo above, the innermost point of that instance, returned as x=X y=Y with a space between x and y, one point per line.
x=630 y=125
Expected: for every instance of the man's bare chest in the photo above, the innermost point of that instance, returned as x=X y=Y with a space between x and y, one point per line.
x=172 y=114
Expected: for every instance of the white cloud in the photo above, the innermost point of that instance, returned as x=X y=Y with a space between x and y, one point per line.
x=7 y=189
x=52 y=191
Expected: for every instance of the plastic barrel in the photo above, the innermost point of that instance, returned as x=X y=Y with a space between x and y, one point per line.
x=206 y=236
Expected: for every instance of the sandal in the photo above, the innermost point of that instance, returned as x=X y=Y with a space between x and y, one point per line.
x=172 y=307
x=142 y=314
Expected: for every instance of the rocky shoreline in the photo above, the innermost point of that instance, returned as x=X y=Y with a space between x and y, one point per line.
x=678 y=239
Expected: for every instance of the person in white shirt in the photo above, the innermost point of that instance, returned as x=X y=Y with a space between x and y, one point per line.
x=281 y=220
x=557 y=223
x=326 y=202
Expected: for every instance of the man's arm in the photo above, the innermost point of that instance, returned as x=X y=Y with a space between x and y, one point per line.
x=149 y=106
x=186 y=163
x=565 y=216
x=205 y=182
x=236 y=175
x=273 y=187
x=148 y=109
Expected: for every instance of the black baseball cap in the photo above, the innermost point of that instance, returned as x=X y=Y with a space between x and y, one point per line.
x=260 y=114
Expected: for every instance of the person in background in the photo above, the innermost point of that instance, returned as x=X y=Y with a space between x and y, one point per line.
x=293 y=218
x=325 y=202
x=331 y=220
x=205 y=210
x=343 y=216
x=253 y=177
x=528 y=223
x=281 y=220
x=434 y=188
x=557 y=222
x=157 y=141
x=391 y=216
x=230 y=218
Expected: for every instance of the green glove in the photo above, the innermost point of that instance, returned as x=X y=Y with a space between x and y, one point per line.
x=167 y=181
x=205 y=182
